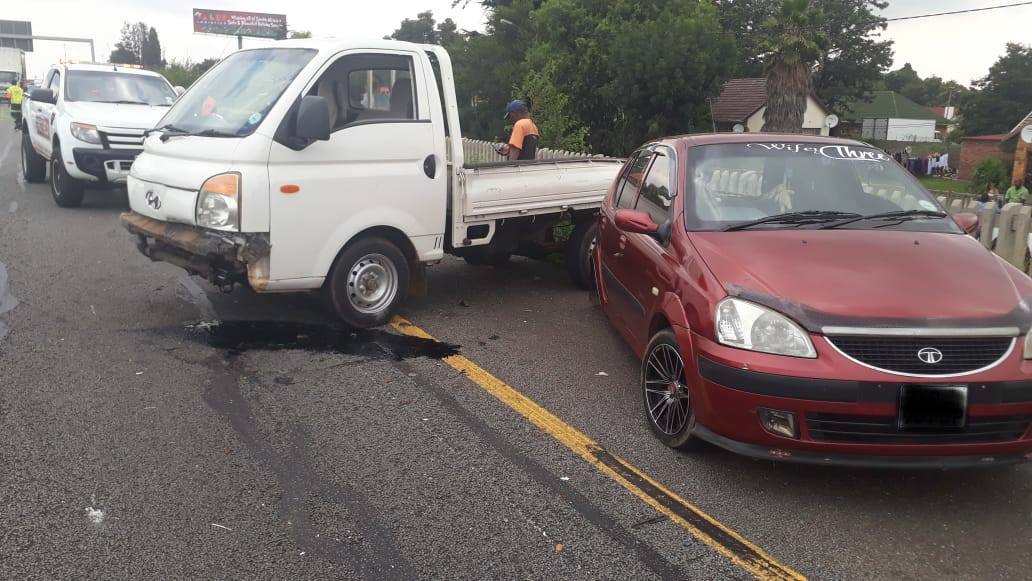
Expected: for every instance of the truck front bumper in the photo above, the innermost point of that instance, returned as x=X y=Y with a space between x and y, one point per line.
x=107 y=165
x=223 y=258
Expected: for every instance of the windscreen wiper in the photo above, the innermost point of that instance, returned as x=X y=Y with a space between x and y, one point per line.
x=165 y=127
x=175 y=132
x=126 y=102
x=796 y=218
x=897 y=216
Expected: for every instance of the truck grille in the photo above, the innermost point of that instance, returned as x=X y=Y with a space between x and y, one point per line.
x=900 y=354
x=122 y=138
x=884 y=430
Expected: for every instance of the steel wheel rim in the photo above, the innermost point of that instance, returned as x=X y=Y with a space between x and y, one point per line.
x=372 y=284
x=666 y=395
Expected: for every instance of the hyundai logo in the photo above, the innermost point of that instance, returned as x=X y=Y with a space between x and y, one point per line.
x=929 y=355
x=153 y=200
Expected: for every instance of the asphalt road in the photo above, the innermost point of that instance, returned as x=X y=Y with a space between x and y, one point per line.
x=137 y=440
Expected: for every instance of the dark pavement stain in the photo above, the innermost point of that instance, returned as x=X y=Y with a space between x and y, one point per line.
x=237 y=337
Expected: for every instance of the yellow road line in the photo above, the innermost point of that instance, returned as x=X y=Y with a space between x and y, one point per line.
x=701 y=525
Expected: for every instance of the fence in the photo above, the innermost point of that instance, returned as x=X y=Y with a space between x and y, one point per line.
x=1008 y=232
x=477 y=151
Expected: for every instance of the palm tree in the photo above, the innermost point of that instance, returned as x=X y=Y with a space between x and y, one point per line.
x=793 y=43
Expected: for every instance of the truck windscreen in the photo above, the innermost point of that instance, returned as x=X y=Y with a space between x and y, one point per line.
x=113 y=87
x=8 y=77
x=236 y=95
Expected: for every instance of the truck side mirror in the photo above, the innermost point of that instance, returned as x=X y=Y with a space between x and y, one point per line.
x=43 y=96
x=313 y=119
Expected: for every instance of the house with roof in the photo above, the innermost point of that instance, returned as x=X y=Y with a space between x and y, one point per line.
x=743 y=101
x=889 y=116
x=1007 y=147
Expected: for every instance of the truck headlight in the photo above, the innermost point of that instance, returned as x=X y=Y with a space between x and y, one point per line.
x=86 y=132
x=1028 y=345
x=218 y=203
x=749 y=326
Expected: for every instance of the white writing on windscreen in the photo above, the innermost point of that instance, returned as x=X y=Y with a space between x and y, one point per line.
x=841 y=152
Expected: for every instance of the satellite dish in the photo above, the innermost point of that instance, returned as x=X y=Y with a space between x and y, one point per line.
x=738 y=128
x=1026 y=134
x=831 y=121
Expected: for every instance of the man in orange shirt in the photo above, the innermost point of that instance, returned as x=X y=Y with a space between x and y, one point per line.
x=523 y=141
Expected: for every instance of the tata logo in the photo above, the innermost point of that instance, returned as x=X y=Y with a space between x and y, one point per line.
x=154 y=201
x=929 y=355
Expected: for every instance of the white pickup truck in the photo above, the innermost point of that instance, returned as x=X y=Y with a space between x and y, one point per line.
x=86 y=123
x=339 y=165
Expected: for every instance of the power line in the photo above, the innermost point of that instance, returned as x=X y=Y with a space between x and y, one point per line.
x=959 y=11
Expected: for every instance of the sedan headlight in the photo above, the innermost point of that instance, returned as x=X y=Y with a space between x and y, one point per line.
x=218 y=203
x=749 y=326
x=1028 y=345
x=85 y=132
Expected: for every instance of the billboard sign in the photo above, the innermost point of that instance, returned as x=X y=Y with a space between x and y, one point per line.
x=20 y=28
x=240 y=23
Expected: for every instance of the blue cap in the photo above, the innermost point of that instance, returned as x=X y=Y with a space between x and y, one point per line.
x=514 y=107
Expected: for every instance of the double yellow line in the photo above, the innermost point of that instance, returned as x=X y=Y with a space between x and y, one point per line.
x=701 y=525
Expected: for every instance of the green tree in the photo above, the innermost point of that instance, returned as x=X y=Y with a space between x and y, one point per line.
x=990 y=172
x=299 y=34
x=559 y=127
x=851 y=65
x=150 y=51
x=632 y=70
x=425 y=30
x=931 y=92
x=792 y=43
x=1003 y=97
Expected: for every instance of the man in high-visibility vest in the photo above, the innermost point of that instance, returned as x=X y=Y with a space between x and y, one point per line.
x=15 y=94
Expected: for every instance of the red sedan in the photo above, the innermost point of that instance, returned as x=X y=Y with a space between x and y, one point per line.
x=804 y=299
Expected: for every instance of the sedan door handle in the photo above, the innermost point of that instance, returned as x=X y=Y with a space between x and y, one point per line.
x=618 y=255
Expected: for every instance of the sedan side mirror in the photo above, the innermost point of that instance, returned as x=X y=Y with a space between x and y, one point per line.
x=43 y=96
x=313 y=119
x=179 y=89
x=635 y=222
x=967 y=221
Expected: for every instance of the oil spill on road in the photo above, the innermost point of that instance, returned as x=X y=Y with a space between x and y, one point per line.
x=236 y=337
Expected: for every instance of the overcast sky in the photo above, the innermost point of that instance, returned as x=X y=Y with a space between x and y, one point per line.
x=960 y=47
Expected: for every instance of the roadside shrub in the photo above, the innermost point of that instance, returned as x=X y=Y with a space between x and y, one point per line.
x=989 y=172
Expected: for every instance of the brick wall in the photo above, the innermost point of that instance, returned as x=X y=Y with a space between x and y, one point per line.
x=1021 y=161
x=973 y=152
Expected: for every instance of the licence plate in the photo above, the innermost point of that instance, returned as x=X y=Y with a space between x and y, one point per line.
x=932 y=407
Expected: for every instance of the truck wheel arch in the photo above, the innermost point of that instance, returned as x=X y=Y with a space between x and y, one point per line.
x=417 y=283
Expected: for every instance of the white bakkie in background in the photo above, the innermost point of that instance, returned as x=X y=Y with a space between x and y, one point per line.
x=338 y=165
x=85 y=125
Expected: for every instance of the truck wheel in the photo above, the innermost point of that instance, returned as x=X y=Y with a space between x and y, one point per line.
x=486 y=256
x=368 y=282
x=66 y=190
x=34 y=167
x=669 y=410
x=579 y=249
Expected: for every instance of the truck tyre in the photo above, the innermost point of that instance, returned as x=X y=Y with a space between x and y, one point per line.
x=34 y=167
x=579 y=249
x=368 y=282
x=486 y=256
x=66 y=190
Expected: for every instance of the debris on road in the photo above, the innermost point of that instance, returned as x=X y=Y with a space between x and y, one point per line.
x=95 y=515
x=602 y=373
x=221 y=526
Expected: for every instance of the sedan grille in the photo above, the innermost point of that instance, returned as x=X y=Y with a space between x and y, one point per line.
x=884 y=430
x=924 y=355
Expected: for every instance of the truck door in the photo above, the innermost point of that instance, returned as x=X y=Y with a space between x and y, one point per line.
x=382 y=166
x=41 y=116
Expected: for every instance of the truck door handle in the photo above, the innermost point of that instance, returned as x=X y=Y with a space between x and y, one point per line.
x=430 y=166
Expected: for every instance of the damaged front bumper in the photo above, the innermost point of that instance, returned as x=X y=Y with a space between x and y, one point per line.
x=223 y=258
